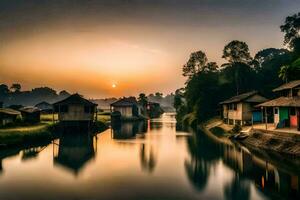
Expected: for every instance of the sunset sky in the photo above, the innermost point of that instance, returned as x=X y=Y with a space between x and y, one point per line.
x=135 y=45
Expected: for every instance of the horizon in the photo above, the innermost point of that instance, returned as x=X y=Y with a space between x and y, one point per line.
x=104 y=49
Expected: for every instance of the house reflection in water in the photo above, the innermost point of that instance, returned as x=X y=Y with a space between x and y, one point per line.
x=267 y=177
x=128 y=130
x=73 y=151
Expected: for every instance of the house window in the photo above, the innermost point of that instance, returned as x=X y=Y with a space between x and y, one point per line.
x=234 y=106
x=276 y=111
x=293 y=111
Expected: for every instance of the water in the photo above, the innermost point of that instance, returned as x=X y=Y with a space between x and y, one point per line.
x=144 y=161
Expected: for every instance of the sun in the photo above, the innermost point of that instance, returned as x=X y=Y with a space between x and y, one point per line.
x=113 y=85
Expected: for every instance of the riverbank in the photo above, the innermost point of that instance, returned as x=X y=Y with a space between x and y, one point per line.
x=25 y=135
x=257 y=140
x=44 y=132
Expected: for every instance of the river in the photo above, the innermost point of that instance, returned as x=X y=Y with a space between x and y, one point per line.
x=150 y=160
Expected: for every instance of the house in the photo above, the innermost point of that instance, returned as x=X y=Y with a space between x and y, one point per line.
x=286 y=108
x=75 y=110
x=154 y=109
x=127 y=107
x=45 y=107
x=30 y=114
x=240 y=109
x=74 y=151
x=8 y=116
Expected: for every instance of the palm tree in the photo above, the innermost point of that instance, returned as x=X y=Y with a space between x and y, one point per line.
x=290 y=72
x=284 y=72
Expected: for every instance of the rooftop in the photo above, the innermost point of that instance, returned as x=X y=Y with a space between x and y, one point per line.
x=242 y=97
x=287 y=86
x=282 y=102
x=125 y=101
x=30 y=109
x=9 y=111
x=75 y=99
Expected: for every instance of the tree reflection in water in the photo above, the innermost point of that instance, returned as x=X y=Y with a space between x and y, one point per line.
x=148 y=157
x=204 y=155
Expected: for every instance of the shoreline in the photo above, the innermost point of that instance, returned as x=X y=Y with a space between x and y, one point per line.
x=35 y=135
x=260 y=141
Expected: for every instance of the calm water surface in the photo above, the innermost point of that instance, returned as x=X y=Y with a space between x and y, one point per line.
x=143 y=161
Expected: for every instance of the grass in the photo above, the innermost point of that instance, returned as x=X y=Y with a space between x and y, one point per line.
x=103 y=118
x=48 y=117
x=25 y=135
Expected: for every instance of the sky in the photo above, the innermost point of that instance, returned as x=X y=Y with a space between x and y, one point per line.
x=89 y=46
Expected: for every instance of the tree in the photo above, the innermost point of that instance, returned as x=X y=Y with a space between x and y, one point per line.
x=266 y=55
x=195 y=64
x=3 y=89
x=159 y=95
x=16 y=87
x=142 y=99
x=290 y=72
x=291 y=28
x=237 y=51
x=238 y=56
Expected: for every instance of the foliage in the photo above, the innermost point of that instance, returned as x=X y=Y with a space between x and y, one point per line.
x=14 y=96
x=237 y=52
x=142 y=99
x=195 y=64
x=291 y=28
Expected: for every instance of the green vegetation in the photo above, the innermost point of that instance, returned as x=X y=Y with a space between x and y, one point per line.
x=103 y=118
x=48 y=117
x=21 y=134
x=208 y=84
x=25 y=135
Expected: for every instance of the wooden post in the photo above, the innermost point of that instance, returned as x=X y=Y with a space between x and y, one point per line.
x=266 y=118
x=252 y=120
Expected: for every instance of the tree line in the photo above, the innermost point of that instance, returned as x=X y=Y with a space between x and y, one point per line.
x=13 y=95
x=208 y=84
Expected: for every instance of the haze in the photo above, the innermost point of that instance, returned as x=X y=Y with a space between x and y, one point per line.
x=135 y=45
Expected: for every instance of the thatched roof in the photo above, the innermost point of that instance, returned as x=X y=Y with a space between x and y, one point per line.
x=129 y=101
x=9 y=111
x=30 y=109
x=75 y=99
x=282 y=102
x=287 y=86
x=244 y=97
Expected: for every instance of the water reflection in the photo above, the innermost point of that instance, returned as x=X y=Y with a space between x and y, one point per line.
x=73 y=151
x=148 y=157
x=31 y=153
x=270 y=180
x=144 y=160
x=128 y=130
x=203 y=156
